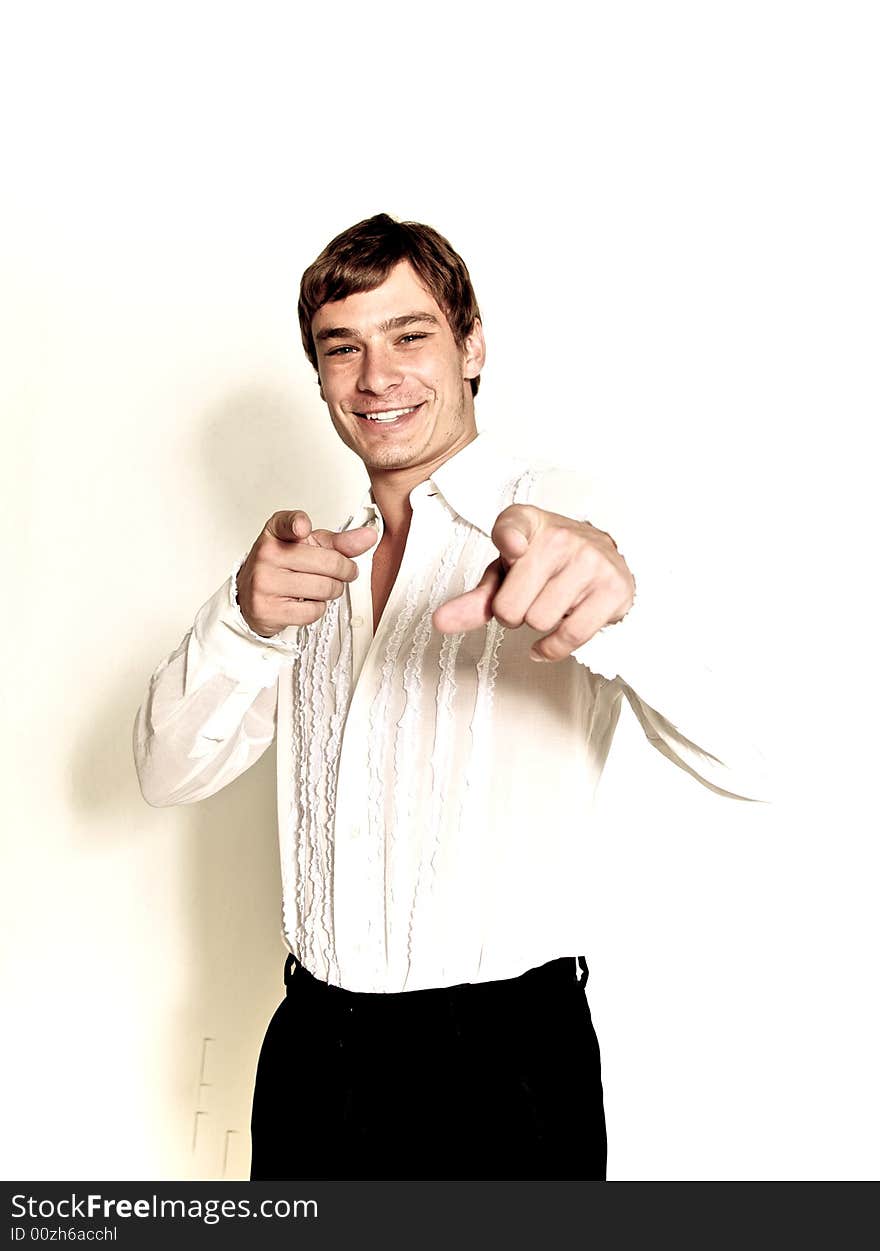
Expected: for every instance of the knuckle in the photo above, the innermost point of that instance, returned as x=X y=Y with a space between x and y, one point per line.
x=568 y=637
x=622 y=607
x=539 y=619
x=505 y=612
x=562 y=641
x=559 y=540
x=329 y=582
x=587 y=556
x=618 y=587
x=266 y=545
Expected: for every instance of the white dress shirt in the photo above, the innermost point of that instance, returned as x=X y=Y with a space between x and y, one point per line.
x=434 y=792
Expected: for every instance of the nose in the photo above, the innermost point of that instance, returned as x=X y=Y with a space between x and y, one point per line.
x=379 y=371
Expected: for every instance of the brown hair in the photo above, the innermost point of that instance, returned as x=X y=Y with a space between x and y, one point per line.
x=362 y=257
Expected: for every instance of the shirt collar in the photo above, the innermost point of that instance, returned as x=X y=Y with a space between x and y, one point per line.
x=471 y=482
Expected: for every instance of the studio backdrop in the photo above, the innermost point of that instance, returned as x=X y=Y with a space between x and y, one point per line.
x=665 y=211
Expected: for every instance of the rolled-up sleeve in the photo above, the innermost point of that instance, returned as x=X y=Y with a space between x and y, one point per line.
x=687 y=710
x=210 y=707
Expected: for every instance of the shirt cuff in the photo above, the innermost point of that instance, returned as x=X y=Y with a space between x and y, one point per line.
x=222 y=642
x=686 y=713
x=614 y=649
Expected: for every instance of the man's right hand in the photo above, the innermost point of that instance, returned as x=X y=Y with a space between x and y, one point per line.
x=292 y=570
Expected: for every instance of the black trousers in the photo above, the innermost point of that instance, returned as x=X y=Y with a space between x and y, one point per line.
x=489 y=1081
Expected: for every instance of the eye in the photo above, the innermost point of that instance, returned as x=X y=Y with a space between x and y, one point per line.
x=340 y=351
x=411 y=338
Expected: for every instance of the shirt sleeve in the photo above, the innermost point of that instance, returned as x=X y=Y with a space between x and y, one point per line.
x=210 y=708
x=681 y=700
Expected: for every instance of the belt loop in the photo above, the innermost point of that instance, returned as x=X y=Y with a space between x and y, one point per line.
x=585 y=972
x=289 y=969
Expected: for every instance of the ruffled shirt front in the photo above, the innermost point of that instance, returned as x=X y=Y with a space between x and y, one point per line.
x=434 y=792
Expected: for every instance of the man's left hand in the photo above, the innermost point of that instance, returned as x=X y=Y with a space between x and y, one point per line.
x=553 y=574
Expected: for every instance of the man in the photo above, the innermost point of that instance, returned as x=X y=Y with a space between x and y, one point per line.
x=434 y=783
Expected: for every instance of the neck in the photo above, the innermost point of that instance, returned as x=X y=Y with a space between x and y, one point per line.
x=392 y=487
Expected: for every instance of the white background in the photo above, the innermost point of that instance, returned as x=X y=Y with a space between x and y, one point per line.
x=669 y=212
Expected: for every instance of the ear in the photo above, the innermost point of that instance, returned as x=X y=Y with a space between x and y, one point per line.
x=474 y=351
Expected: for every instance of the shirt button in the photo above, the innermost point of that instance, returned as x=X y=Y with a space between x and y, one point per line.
x=357 y=621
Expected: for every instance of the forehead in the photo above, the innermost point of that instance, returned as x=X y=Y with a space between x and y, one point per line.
x=399 y=295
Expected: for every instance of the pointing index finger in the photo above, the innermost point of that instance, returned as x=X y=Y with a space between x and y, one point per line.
x=472 y=609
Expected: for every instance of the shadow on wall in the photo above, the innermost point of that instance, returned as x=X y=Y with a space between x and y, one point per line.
x=261 y=455
x=252 y=449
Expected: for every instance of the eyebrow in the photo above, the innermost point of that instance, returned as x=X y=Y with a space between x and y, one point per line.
x=393 y=323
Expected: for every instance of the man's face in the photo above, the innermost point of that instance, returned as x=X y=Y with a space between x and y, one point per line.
x=394 y=379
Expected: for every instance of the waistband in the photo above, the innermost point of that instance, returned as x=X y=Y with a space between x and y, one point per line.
x=567 y=970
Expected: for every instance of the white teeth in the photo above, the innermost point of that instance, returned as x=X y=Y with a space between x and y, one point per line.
x=391 y=415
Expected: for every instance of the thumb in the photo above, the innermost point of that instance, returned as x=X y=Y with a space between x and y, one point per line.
x=474 y=608
x=512 y=533
x=355 y=542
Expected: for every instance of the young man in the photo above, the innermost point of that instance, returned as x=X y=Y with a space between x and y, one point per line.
x=434 y=782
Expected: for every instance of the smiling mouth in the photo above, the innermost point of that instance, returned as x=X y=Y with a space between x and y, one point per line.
x=388 y=414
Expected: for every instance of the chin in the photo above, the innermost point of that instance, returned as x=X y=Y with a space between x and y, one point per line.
x=388 y=457
x=397 y=453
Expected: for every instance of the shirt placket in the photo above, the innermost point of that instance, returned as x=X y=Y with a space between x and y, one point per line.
x=358 y=901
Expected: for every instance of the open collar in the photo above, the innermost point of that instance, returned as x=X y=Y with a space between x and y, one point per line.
x=472 y=482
